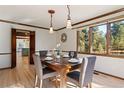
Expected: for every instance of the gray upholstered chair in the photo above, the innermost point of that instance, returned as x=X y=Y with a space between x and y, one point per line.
x=42 y=73
x=43 y=53
x=83 y=78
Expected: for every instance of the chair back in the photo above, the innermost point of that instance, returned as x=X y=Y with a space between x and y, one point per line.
x=43 y=53
x=38 y=66
x=72 y=54
x=86 y=72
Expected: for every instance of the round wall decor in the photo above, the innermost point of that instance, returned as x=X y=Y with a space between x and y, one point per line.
x=63 y=37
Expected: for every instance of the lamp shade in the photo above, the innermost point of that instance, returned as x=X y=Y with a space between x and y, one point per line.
x=69 y=26
x=51 y=30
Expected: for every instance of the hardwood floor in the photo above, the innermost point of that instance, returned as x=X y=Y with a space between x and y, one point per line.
x=23 y=77
x=105 y=81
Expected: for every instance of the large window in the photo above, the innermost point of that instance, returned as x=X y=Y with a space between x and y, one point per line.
x=105 y=39
x=83 y=42
x=117 y=38
x=99 y=39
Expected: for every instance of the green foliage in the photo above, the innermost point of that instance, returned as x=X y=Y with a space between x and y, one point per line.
x=117 y=35
x=83 y=41
x=98 y=40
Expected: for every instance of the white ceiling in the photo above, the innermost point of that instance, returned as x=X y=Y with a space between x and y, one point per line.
x=38 y=14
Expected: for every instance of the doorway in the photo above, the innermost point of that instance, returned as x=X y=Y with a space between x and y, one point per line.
x=22 y=50
x=23 y=46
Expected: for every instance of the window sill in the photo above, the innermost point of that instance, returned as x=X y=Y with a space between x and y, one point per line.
x=105 y=55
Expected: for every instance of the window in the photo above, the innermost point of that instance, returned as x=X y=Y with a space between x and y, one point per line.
x=117 y=38
x=83 y=42
x=106 y=39
x=99 y=39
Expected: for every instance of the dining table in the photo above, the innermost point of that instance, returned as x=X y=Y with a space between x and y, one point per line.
x=62 y=66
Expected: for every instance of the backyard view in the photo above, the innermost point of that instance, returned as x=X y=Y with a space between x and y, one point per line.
x=99 y=39
x=117 y=38
x=99 y=35
x=83 y=41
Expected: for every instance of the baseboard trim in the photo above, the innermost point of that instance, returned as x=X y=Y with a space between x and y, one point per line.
x=109 y=75
x=5 y=68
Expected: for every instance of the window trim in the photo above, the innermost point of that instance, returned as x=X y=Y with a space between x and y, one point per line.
x=108 y=32
x=105 y=55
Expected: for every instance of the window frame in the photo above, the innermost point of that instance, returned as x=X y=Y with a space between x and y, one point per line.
x=105 y=42
x=108 y=40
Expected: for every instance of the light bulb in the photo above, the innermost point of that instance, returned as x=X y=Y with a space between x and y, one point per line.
x=51 y=30
x=69 y=24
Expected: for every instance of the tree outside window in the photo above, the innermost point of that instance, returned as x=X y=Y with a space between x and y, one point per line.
x=99 y=39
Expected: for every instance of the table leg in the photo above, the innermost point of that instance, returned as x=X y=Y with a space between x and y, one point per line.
x=63 y=79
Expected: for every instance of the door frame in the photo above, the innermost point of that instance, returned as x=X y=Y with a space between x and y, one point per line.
x=13 y=46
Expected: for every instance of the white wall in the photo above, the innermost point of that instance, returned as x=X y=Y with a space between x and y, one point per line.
x=113 y=66
x=5 y=38
x=5 y=45
x=44 y=40
x=70 y=44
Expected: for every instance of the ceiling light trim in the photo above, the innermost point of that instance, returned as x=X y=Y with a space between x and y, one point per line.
x=51 y=12
x=69 y=24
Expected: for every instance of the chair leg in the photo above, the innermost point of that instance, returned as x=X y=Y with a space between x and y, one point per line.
x=36 y=79
x=41 y=83
x=90 y=85
x=87 y=86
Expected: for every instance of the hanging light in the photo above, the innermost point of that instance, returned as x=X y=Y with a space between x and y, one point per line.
x=51 y=30
x=51 y=25
x=69 y=26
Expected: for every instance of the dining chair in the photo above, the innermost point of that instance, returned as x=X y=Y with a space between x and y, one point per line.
x=42 y=73
x=43 y=53
x=72 y=54
x=83 y=78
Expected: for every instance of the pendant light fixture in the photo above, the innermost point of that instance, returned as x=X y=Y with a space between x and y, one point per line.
x=51 y=24
x=69 y=26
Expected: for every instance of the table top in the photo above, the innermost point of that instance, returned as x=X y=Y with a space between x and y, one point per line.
x=60 y=64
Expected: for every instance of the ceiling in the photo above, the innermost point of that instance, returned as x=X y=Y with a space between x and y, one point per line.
x=38 y=14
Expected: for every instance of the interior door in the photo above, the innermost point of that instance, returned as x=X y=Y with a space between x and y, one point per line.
x=32 y=46
x=13 y=48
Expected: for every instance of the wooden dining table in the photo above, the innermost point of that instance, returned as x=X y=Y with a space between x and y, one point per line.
x=62 y=66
